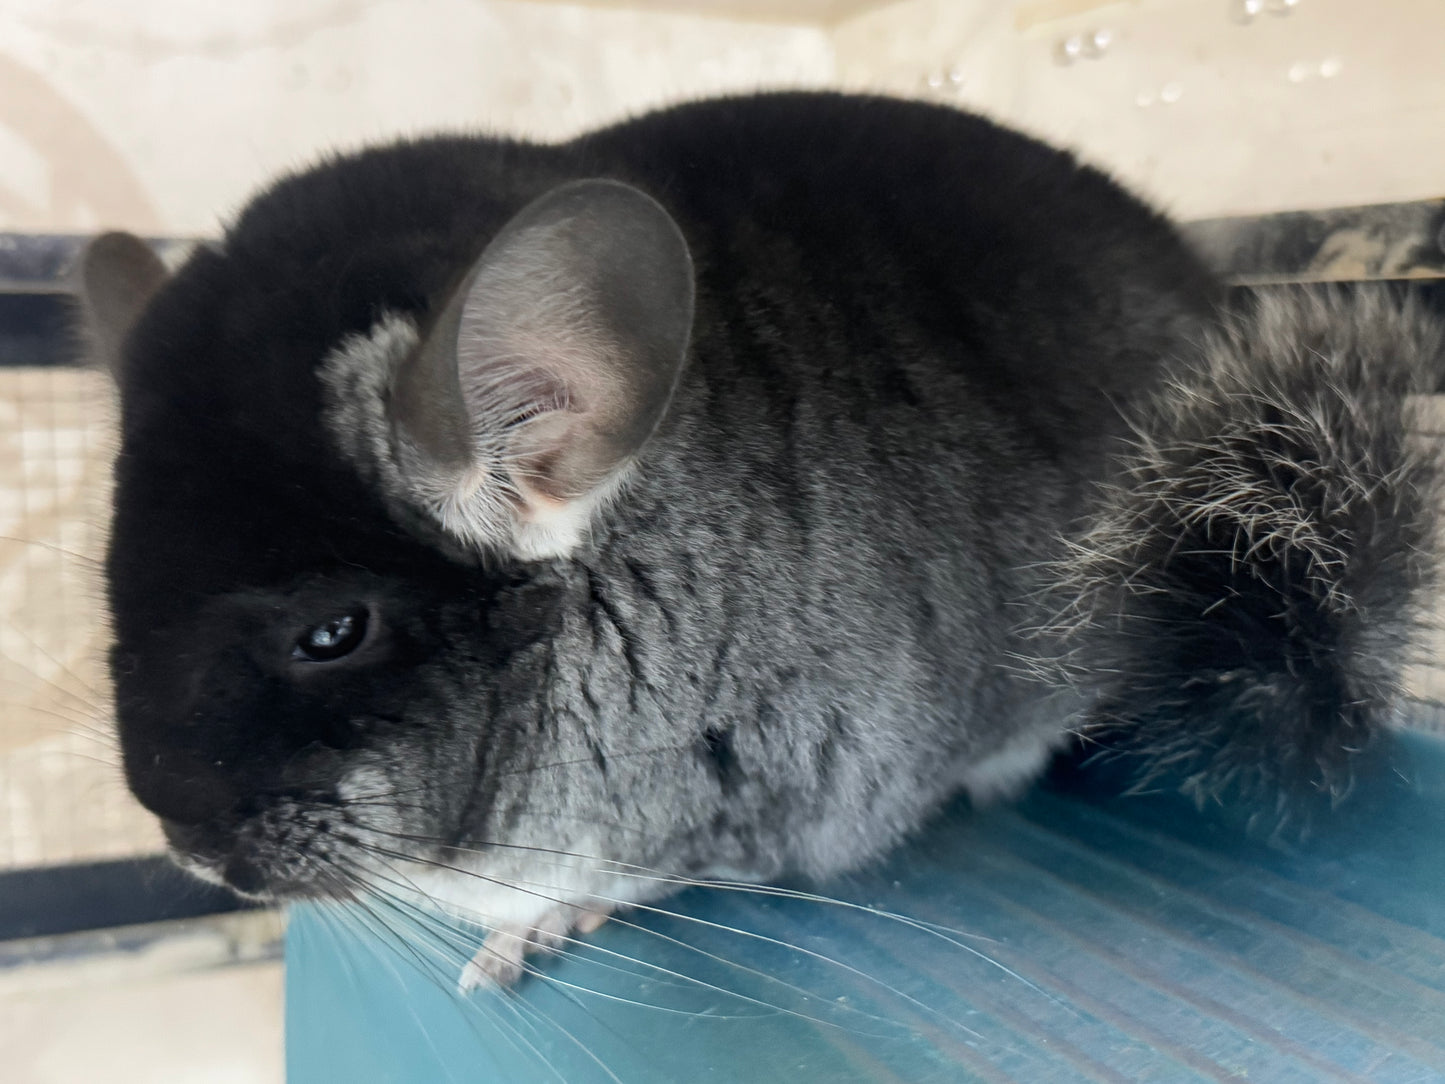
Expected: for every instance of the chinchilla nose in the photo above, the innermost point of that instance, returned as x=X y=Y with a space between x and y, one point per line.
x=182 y=788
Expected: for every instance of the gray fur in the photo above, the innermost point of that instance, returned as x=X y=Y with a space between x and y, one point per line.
x=885 y=541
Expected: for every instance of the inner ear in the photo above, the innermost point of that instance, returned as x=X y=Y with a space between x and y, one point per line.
x=118 y=275
x=551 y=365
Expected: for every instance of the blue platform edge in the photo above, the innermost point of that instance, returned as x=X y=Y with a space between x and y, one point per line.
x=1068 y=937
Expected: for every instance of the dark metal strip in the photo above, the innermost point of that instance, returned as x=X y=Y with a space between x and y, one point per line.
x=1345 y=244
x=56 y=900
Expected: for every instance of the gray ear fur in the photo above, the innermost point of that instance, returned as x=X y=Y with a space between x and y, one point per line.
x=119 y=273
x=548 y=369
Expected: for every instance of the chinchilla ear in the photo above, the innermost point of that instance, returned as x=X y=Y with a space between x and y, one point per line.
x=118 y=275
x=530 y=394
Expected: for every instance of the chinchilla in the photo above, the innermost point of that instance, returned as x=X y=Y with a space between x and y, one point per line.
x=719 y=493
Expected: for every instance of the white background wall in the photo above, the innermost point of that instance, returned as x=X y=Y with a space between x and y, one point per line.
x=1324 y=103
x=161 y=115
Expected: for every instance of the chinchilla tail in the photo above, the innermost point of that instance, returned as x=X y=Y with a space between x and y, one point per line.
x=1240 y=612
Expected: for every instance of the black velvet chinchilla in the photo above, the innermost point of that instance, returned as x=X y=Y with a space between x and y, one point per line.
x=718 y=494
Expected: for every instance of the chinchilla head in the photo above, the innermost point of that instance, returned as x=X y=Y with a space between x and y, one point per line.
x=361 y=438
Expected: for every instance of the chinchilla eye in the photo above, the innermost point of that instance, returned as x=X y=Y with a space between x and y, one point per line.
x=331 y=640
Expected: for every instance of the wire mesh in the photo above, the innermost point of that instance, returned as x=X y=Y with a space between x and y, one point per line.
x=62 y=798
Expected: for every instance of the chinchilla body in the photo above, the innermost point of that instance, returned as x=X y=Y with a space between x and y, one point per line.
x=718 y=493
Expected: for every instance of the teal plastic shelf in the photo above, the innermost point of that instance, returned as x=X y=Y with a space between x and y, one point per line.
x=1068 y=938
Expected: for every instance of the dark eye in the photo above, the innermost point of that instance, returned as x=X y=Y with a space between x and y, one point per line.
x=332 y=639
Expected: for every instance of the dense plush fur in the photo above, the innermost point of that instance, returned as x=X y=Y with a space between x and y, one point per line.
x=1240 y=610
x=778 y=630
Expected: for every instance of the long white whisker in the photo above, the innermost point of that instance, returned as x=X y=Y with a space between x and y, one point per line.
x=532 y=886
x=440 y=976
x=807 y=995
x=629 y=869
